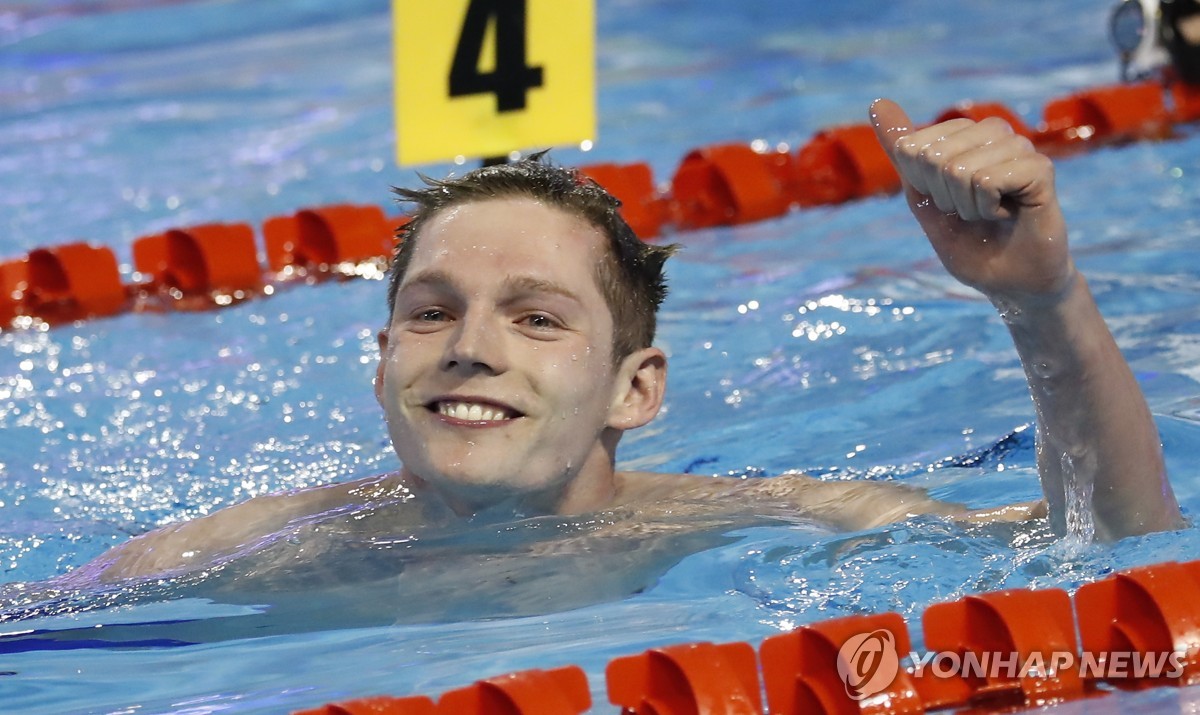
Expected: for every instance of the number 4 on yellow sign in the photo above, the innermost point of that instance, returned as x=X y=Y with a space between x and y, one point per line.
x=483 y=78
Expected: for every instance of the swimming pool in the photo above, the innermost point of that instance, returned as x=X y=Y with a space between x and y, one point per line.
x=241 y=111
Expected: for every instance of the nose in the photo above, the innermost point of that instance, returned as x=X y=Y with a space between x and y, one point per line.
x=475 y=345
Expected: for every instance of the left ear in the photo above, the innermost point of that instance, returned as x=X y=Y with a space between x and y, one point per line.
x=639 y=389
x=384 y=354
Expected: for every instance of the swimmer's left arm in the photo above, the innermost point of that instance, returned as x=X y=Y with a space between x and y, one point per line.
x=856 y=505
x=1021 y=511
x=986 y=200
x=849 y=505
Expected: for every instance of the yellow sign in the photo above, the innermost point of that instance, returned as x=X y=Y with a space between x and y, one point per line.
x=482 y=78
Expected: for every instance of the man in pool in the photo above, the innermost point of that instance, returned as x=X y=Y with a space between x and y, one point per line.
x=519 y=351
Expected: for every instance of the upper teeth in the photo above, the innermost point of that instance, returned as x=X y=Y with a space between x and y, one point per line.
x=471 y=412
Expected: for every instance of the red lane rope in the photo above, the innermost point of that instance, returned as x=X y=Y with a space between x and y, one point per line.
x=1001 y=650
x=215 y=265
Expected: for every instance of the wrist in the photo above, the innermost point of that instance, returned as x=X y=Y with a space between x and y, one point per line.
x=1019 y=307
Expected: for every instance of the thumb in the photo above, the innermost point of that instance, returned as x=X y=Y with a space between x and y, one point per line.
x=891 y=123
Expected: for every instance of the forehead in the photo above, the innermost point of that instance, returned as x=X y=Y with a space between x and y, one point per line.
x=510 y=236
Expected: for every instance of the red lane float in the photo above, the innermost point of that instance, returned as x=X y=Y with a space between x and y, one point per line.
x=842 y=164
x=806 y=673
x=730 y=184
x=641 y=205
x=687 y=678
x=324 y=238
x=1150 y=610
x=199 y=267
x=562 y=691
x=70 y=282
x=1032 y=627
x=979 y=111
x=217 y=262
x=378 y=705
x=14 y=279
x=1118 y=113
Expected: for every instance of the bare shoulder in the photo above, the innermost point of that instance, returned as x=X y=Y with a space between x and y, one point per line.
x=198 y=541
x=844 y=504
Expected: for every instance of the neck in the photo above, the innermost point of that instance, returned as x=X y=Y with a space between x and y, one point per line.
x=593 y=487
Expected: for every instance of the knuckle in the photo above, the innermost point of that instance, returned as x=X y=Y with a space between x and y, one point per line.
x=996 y=124
x=907 y=146
x=931 y=156
x=985 y=185
x=1023 y=145
x=958 y=173
x=956 y=124
x=908 y=154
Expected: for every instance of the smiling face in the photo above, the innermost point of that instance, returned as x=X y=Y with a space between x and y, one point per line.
x=497 y=375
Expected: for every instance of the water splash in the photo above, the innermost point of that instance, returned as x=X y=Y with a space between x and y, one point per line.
x=1081 y=521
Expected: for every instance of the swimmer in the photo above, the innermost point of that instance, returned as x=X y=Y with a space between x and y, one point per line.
x=519 y=349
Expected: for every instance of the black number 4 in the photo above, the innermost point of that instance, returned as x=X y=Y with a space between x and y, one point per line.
x=512 y=78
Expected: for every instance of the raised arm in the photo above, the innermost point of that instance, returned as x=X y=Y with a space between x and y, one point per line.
x=985 y=198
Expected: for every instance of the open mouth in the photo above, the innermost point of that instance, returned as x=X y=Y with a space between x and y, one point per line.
x=473 y=411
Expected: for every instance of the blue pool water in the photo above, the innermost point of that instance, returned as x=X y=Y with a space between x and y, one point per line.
x=120 y=119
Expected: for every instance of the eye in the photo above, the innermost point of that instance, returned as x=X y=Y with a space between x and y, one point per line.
x=428 y=319
x=540 y=321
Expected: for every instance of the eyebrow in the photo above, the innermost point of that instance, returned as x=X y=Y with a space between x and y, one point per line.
x=435 y=278
x=431 y=278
